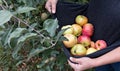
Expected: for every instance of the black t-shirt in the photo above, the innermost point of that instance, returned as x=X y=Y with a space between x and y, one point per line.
x=105 y=16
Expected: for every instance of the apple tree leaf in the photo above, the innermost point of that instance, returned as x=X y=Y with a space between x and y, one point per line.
x=51 y=25
x=26 y=36
x=24 y=9
x=1 y=2
x=36 y=51
x=5 y=16
x=16 y=33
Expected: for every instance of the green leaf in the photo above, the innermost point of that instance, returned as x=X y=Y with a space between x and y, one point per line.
x=51 y=25
x=33 y=26
x=26 y=36
x=54 y=53
x=2 y=27
x=35 y=52
x=5 y=16
x=15 y=51
x=18 y=63
x=1 y=2
x=16 y=33
x=60 y=33
x=5 y=36
x=24 y=9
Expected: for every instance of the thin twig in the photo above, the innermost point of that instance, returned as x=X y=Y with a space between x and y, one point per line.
x=2 y=7
x=28 y=26
x=5 y=3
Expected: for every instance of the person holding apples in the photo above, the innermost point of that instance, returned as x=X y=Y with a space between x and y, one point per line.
x=104 y=15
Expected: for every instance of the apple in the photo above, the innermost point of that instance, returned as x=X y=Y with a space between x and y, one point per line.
x=77 y=29
x=92 y=44
x=44 y=16
x=85 y=40
x=91 y=50
x=78 y=50
x=88 y=29
x=100 y=44
x=69 y=29
x=81 y=20
x=72 y=40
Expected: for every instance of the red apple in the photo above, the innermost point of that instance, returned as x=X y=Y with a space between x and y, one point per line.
x=78 y=50
x=100 y=44
x=88 y=29
x=85 y=40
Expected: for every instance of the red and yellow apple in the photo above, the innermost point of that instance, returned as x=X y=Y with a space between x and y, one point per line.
x=100 y=44
x=92 y=44
x=81 y=20
x=71 y=40
x=78 y=50
x=77 y=29
x=87 y=29
x=85 y=40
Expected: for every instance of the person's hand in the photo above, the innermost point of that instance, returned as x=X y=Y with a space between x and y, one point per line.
x=81 y=64
x=51 y=5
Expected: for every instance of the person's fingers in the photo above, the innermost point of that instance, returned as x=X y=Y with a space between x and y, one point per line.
x=53 y=7
x=76 y=60
x=48 y=6
x=77 y=70
x=72 y=64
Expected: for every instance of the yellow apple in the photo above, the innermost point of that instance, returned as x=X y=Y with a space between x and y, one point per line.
x=81 y=20
x=78 y=50
x=91 y=50
x=77 y=29
x=69 y=29
x=72 y=40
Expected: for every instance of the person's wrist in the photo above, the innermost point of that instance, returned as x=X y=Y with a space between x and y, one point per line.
x=95 y=62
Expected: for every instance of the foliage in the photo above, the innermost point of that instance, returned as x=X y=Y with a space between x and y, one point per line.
x=29 y=42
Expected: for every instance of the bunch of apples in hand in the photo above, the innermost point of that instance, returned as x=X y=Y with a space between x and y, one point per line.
x=79 y=37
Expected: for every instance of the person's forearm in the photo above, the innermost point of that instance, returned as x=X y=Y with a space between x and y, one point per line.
x=110 y=57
